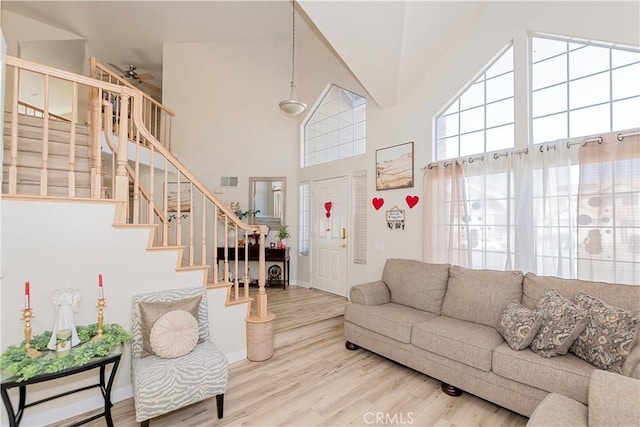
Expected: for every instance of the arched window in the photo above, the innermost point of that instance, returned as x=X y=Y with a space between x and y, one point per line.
x=336 y=129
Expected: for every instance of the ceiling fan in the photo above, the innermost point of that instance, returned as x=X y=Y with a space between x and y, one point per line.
x=137 y=79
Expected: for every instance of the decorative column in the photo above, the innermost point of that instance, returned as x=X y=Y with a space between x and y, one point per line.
x=260 y=324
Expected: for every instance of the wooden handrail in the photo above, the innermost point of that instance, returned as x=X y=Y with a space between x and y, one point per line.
x=123 y=82
x=108 y=134
x=158 y=118
x=40 y=111
x=146 y=207
x=66 y=75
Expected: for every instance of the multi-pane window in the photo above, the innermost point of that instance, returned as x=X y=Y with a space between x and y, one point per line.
x=568 y=204
x=481 y=119
x=336 y=129
x=303 y=225
x=580 y=89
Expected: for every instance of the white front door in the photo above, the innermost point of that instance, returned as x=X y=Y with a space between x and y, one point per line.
x=329 y=218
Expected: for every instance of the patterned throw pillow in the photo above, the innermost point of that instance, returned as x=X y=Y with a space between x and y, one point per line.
x=519 y=325
x=609 y=335
x=174 y=334
x=562 y=322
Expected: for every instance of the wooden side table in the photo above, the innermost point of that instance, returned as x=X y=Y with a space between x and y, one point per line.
x=271 y=255
x=104 y=384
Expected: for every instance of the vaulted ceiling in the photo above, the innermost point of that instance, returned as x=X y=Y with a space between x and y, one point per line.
x=387 y=45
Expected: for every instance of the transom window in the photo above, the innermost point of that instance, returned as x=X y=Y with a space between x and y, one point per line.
x=580 y=89
x=336 y=129
x=481 y=119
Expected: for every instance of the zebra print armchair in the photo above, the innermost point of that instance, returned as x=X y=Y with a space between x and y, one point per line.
x=163 y=385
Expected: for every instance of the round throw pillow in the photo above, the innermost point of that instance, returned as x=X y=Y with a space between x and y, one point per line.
x=174 y=334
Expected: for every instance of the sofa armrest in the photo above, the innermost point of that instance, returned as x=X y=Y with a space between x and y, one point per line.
x=371 y=293
x=613 y=399
x=558 y=410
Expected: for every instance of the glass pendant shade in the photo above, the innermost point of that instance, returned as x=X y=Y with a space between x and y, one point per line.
x=292 y=106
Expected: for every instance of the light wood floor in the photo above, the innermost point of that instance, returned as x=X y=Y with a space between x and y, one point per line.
x=297 y=306
x=316 y=381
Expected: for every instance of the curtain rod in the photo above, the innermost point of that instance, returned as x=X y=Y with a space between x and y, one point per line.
x=496 y=155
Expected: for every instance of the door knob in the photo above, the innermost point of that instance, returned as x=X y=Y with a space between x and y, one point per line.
x=343 y=233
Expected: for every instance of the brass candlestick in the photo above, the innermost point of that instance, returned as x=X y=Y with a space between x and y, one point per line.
x=27 y=315
x=100 y=306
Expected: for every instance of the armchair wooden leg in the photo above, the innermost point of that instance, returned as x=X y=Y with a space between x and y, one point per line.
x=220 y=404
x=144 y=423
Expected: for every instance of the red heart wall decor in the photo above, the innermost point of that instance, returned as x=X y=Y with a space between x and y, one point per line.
x=327 y=207
x=377 y=202
x=412 y=201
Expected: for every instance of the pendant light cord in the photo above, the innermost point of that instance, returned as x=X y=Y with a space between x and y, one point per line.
x=293 y=47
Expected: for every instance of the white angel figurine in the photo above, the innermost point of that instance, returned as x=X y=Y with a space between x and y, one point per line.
x=66 y=301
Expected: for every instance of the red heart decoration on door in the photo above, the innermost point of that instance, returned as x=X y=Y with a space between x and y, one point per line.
x=327 y=206
x=412 y=201
x=377 y=203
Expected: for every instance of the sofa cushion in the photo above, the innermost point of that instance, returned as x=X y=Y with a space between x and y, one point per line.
x=566 y=375
x=416 y=284
x=391 y=320
x=562 y=322
x=557 y=410
x=610 y=332
x=519 y=325
x=465 y=342
x=480 y=296
x=623 y=296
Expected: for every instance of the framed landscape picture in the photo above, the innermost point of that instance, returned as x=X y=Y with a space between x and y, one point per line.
x=394 y=167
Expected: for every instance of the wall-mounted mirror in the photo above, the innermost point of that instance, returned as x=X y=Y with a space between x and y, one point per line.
x=268 y=195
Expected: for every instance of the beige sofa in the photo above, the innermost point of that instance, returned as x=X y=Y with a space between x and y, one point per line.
x=441 y=320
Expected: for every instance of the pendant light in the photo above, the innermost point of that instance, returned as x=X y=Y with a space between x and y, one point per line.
x=292 y=106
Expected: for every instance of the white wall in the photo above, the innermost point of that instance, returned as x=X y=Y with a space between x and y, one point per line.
x=412 y=118
x=55 y=245
x=225 y=96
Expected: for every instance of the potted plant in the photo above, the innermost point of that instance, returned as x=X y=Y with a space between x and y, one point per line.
x=283 y=235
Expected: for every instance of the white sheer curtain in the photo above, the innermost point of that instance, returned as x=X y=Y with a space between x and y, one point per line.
x=568 y=211
x=609 y=211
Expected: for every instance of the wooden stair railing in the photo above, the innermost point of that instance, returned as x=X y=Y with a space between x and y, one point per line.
x=33 y=111
x=157 y=118
x=162 y=191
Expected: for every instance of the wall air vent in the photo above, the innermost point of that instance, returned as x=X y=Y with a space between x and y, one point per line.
x=229 y=181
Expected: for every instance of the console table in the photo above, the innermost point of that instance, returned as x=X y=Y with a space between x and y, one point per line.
x=104 y=385
x=270 y=255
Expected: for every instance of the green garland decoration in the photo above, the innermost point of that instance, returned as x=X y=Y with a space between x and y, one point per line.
x=16 y=361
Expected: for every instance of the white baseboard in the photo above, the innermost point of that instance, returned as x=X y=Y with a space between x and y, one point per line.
x=41 y=418
x=301 y=284
x=236 y=356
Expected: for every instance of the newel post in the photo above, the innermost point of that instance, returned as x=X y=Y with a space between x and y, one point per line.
x=260 y=324
x=122 y=179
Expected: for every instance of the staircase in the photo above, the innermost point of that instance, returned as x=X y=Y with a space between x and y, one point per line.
x=119 y=158
x=29 y=160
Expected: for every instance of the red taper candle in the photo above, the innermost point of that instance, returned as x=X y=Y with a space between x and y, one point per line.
x=100 y=288
x=27 y=296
